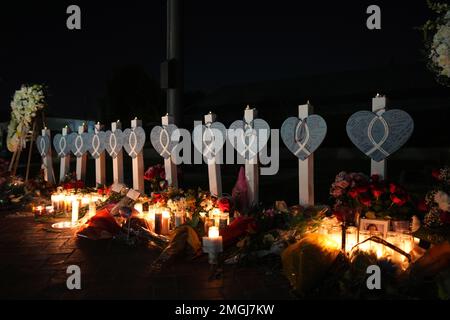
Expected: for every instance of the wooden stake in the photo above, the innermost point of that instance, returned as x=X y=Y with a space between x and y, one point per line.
x=47 y=160
x=65 y=161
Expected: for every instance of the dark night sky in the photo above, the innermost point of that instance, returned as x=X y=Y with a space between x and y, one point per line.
x=226 y=42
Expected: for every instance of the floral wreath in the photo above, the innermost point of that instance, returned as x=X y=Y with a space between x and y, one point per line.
x=26 y=102
x=438 y=44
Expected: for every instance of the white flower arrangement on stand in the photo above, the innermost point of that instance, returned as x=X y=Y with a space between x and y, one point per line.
x=438 y=46
x=26 y=103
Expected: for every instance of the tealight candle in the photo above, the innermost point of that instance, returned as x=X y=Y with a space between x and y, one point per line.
x=165 y=222
x=75 y=208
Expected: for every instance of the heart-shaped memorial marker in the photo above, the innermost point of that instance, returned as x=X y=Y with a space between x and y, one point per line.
x=113 y=142
x=133 y=141
x=95 y=143
x=77 y=143
x=378 y=136
x=61 y=144
x=249 y=138
x=164 y=139
x=43 y=145
x=303 y=137
x=213 y=137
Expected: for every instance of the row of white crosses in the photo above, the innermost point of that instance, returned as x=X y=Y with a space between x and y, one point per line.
x=377 y=134
x=97 y=143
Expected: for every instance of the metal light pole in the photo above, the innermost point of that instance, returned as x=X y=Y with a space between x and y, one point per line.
x=172 y=69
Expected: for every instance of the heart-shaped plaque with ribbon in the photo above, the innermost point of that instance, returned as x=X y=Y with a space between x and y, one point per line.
x=77 y=143
x=249 y=138
x=61 y=144
x=133 y=141
x=380 y=135
x=95 y=143
x=164 y=139
x=113 y=142
x=303 y=137
x=213 y=136
x=43 y=145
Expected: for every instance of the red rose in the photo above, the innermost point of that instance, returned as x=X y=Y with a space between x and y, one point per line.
x=365 y=200
x=80 y=184
x=149 y=174
x=375 y=178
x=156 y=197
x=377 y=192
x=399 y=200
x=162 y=174
x=392 y=188
x=68 y=186
x=353 y=193
x=224 y=204
x=100 y=191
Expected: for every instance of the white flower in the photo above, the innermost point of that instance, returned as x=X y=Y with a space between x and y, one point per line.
x=443 y=200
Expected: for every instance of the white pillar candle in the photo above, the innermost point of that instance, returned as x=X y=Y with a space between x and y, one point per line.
x=85 y=200
x=212 y=244
x=75 y=207
x=165 y=222
x=54 y=198
x=179 y=219
x=92 y=209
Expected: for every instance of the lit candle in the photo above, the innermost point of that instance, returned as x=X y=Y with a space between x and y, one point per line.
x=92 y=209
x=214 y=214
x=224 y=219
x=158 y=222
x=139 y=207
x=55 y=200
x=49 y=209
x=351 y=238
x=165 y=222
x=85 y=200
x=150 y=217
x=213 y=232
x=179 y=219
x=213 y=244
x=75 y=207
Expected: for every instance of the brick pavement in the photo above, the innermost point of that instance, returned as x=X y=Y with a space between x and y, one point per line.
x=34 y=260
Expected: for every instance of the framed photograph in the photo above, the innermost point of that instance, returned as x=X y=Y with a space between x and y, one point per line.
x=374 y=225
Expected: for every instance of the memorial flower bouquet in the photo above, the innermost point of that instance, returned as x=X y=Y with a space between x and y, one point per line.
x=373 y=198
x=156 y=175
x=27 y=101
x=438 y=200
x=437 y=42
